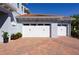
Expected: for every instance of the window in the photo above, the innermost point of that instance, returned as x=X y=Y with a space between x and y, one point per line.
x=22 y=8
x=33 y=24
x=59 y=24
x=64 y=24
x=25 y=10
x=40 y=24
x=47 y=24
x=25 y=24
x=18 y=5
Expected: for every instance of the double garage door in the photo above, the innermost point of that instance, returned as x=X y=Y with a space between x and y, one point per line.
x=36 y=30
x=42 y=30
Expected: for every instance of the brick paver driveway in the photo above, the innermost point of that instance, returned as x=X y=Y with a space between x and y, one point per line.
x=43 y=46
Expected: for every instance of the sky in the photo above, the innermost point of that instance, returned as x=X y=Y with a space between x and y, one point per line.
x=66 y=9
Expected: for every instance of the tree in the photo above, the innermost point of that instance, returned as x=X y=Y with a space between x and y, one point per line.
x=75 y=26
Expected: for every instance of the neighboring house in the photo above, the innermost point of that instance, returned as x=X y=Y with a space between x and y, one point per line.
x=8 y=12
x=37 y=25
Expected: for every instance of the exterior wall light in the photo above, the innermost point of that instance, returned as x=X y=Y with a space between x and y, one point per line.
x=13 y=23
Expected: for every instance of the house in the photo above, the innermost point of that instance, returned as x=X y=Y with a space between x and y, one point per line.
x=17 y=18
x=8 y=12
x=42 y=25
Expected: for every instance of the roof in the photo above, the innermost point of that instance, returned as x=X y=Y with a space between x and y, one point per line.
x=43 y=16
x=3 y=17
x=34 y=15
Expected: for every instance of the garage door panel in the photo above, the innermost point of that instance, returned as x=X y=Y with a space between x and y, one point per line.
x=62 y=31
x=36 y=31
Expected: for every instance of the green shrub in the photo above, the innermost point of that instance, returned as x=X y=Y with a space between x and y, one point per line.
x=16 y=36
x=13 y=37
x=5 y=37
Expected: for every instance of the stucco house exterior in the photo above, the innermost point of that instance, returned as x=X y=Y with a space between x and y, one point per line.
x=40 y=25
x=16 y=18
x=8 y=12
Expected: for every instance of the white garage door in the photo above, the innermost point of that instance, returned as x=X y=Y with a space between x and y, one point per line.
x=36 y=31
x=61 y=31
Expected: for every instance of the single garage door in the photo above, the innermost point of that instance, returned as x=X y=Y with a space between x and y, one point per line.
x=36 y=31
x=61 y=31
